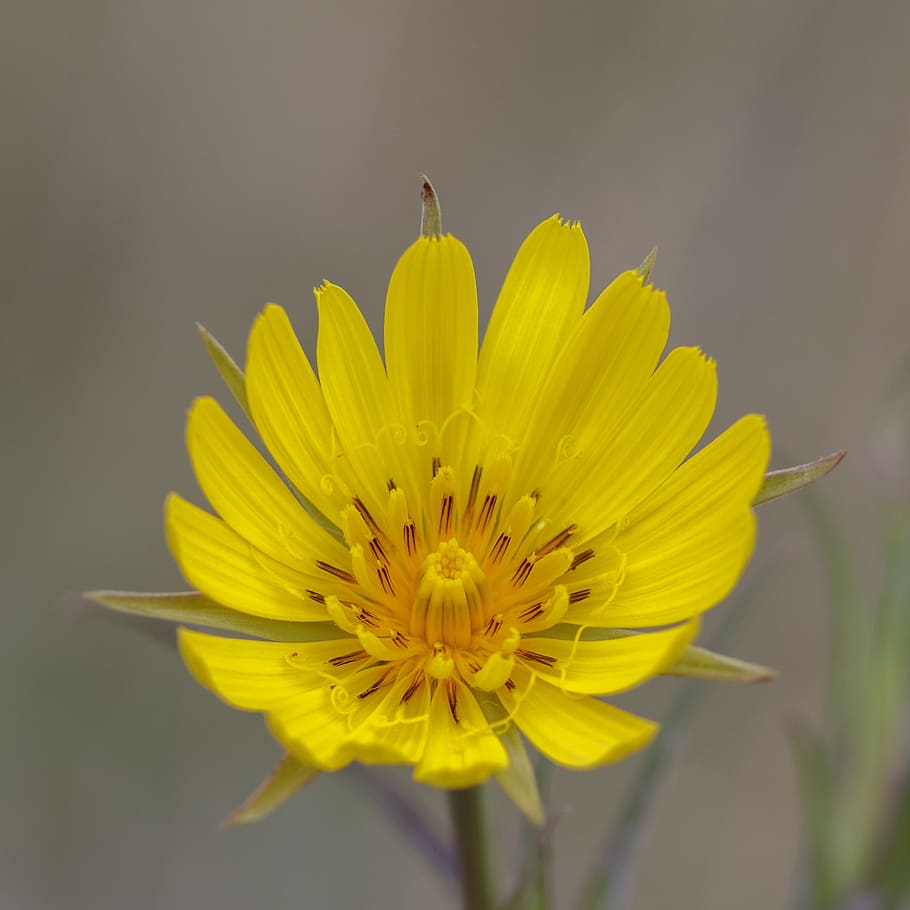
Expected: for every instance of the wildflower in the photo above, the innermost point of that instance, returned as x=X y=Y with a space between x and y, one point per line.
x=468 y=544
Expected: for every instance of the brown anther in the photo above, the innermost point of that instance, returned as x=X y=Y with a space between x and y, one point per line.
x=410 y=538
x=315 y=595
x=493 y=626
x=532 y=612
x=377 y=550
x=390 y=483
x=499 y=548
x=338 y=573
x=545 y=659
x=416 y=683
x=399 y=639
x=522 y=573
x=446 y=513
x=362 y=613
x=385 y=580
x=382 y=681
x=579 y=595
x=472 y=497
x=437 y=464
x=487 y=509
x=349 y=658
x=556 y=542
x=452 y=697
x=510 y=685
x=582 y=557
x=365 y=515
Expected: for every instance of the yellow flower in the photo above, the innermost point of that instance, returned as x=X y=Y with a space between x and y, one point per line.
x=496 y=525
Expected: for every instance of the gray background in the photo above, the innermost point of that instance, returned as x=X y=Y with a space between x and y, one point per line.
x=169 y=162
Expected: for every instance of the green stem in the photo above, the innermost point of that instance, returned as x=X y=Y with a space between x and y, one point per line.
x=466 y=807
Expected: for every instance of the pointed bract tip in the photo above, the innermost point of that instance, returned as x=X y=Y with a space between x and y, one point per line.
x=779 y=483
x=430 y=215
x=647 y=266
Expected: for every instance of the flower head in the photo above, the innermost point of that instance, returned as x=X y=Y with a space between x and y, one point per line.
x=466 y=543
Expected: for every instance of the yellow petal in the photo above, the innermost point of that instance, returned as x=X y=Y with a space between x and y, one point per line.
x=247 y=493
x=461 y=750
x=540 y=303
x=574 y=731
x=597 y=376
x=227 y=568
x=277 y=679
x=289 y=410
x=431 y=330
x=255 y=675
x=630 y=460
x=604 y=667
x=396 y=730
x=687 y=544
x=359 y=397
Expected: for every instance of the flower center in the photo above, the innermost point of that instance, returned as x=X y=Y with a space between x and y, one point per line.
x=453 y=597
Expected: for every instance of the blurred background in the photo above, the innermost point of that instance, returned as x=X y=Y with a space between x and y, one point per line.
x=172 y=162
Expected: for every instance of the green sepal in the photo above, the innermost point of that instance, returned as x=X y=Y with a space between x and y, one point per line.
x=283 y=783
x=518 y=780
x=700 y=663
x=694 y=662
x=227 y=368
x=196 y=609
x=647 y=266
x=430 y=214
x=788 y=480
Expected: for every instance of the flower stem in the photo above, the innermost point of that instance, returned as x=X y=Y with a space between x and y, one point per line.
x=466 y=807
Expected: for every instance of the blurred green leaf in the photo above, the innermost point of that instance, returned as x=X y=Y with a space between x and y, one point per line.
x=817 y=793
x=892 y=873
x=196 y=609
x=287 y=778
x=609 y=882
x=849 y=638
x=788 y=480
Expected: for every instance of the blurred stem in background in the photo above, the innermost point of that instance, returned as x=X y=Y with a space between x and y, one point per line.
x=466 y=807
x=854 y=774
